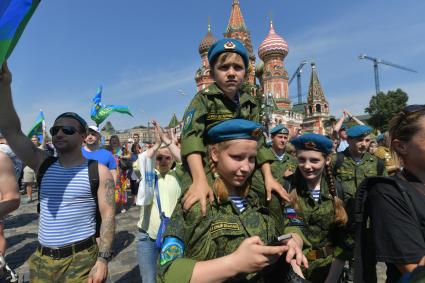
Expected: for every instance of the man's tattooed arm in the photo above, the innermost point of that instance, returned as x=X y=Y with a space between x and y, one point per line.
x=107 y=210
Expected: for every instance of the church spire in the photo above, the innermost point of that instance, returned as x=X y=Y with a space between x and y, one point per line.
x=315 y=91
x=236 y=21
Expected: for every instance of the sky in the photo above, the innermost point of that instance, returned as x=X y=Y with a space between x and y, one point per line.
x=145 y=53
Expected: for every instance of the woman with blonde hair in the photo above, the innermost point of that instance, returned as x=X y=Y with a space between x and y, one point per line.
x=317 y=207
x=237 y=240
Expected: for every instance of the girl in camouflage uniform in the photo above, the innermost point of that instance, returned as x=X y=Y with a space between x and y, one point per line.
x=317 y=209
x=230 y=242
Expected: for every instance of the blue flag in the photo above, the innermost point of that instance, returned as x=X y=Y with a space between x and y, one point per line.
x=14 y=16
x=38 y=127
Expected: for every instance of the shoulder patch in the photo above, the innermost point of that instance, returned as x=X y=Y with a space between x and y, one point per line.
x=171 y=249
x=188 y=120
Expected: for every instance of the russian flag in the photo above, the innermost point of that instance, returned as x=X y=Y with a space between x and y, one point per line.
x=14 y=16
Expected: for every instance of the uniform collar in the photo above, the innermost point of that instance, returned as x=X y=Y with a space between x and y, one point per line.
x=213 y=90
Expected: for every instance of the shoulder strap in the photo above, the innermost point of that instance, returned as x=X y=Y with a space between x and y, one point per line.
x=93 y=168
x=380 y=166
x=339 y=160
x=158 y=199
x=94 y=177
x=40 y=174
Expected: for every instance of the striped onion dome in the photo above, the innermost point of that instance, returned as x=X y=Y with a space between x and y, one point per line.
x=206 y=43
x=273 y=44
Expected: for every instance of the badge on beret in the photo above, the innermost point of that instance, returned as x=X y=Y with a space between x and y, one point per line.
x=310 y=145
x=229 y=45
x=256 y=132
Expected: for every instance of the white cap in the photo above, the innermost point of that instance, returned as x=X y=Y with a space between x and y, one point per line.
x=94 y=128
x=130 y=140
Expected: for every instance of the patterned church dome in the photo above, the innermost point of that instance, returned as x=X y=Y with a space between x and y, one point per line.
x=206 y=43
x=273 y=44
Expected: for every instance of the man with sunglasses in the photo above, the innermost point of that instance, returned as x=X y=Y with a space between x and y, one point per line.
x=92 y=150
x=67 y=250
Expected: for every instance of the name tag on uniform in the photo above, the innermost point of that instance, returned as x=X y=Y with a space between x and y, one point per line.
x=219 y=116
x=217 y=226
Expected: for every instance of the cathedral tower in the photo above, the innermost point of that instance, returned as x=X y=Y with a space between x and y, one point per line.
x=273 y=51
x=237 y=29
x=203 y=77
x=317 y=107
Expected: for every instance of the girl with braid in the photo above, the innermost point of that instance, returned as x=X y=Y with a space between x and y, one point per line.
x=317 y=208
x=233 y=242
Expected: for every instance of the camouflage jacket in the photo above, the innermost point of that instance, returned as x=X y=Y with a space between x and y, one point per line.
x=210 y=106
x=218 y=234
x=316 y=222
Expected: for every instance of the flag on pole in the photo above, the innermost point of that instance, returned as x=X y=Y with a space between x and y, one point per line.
x=100 y=112
x=38 y=127
x=14 y=16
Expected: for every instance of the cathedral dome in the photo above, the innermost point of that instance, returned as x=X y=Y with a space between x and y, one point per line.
x=273 y=44
x=206 y=43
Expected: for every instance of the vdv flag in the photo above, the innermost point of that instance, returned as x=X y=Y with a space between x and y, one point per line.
x=14 y=16
x=38 y=127
x=100 y=112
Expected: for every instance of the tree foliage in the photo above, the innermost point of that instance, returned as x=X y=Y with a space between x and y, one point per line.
x=382 y=107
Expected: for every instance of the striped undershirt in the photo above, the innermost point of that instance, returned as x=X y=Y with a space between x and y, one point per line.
x=239 y=202
x=67 y=208
x=315 y=194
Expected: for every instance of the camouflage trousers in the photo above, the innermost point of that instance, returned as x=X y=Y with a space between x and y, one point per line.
x=75 y=268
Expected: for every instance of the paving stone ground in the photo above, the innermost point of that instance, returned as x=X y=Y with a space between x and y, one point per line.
x=21 y=233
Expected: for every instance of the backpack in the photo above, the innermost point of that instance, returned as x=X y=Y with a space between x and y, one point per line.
x=94 y=184
x=380 y=165
x=364 y=251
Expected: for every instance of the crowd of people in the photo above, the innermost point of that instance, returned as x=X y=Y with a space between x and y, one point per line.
x=231 y=202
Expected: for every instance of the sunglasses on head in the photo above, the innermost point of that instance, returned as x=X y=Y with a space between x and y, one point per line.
x=67 y=130
x=161 y=158
x=413 y=108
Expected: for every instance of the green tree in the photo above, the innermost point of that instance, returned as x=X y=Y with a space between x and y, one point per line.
x=382 y=107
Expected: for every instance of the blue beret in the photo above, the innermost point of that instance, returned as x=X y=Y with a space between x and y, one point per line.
x=75 y=116
x=380 y=138
x=279 y=129
x=234 y=129
x=313 y=142
x=358 y=131
x=228 y=45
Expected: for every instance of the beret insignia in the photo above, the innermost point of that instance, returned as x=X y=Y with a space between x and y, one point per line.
x=229 y=45
x=256 y=132
x=310 y=145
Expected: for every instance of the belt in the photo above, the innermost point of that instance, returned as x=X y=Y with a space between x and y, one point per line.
x=320 y=253
x=66 y=251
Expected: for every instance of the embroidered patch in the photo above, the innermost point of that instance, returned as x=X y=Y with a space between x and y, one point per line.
x=256 y=133
x=188 y=120
x=219 y=116
x=217 y=226
x=171 y=249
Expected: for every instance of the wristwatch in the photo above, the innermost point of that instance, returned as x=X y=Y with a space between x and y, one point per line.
x=106 y=255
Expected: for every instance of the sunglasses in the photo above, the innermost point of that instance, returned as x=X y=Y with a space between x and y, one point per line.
x=161 y=158
x=67 y=130
x=413 y=108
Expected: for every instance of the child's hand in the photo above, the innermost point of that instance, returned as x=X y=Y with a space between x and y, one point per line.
x=198 y=191
x=273 y=186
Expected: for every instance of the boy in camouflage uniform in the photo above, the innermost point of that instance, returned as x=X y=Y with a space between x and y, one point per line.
x=223 y=100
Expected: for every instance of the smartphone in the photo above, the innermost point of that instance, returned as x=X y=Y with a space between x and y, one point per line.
x=278 y=241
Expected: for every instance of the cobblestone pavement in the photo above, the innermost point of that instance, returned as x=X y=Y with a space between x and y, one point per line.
x=21 y=228
x=21 y=234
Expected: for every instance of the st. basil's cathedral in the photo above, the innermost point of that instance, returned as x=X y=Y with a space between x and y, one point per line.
x=272 y=78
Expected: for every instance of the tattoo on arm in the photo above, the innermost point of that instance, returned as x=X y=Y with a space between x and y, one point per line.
x=107 y=230
x=110 y=192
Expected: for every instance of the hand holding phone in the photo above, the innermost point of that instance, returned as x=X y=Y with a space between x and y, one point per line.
x=278 y=241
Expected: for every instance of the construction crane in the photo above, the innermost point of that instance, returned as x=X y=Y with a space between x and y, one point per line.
x=298 y=74
x=377 y=61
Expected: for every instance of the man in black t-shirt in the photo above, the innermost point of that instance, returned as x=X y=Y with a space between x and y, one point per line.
x=398 y=235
